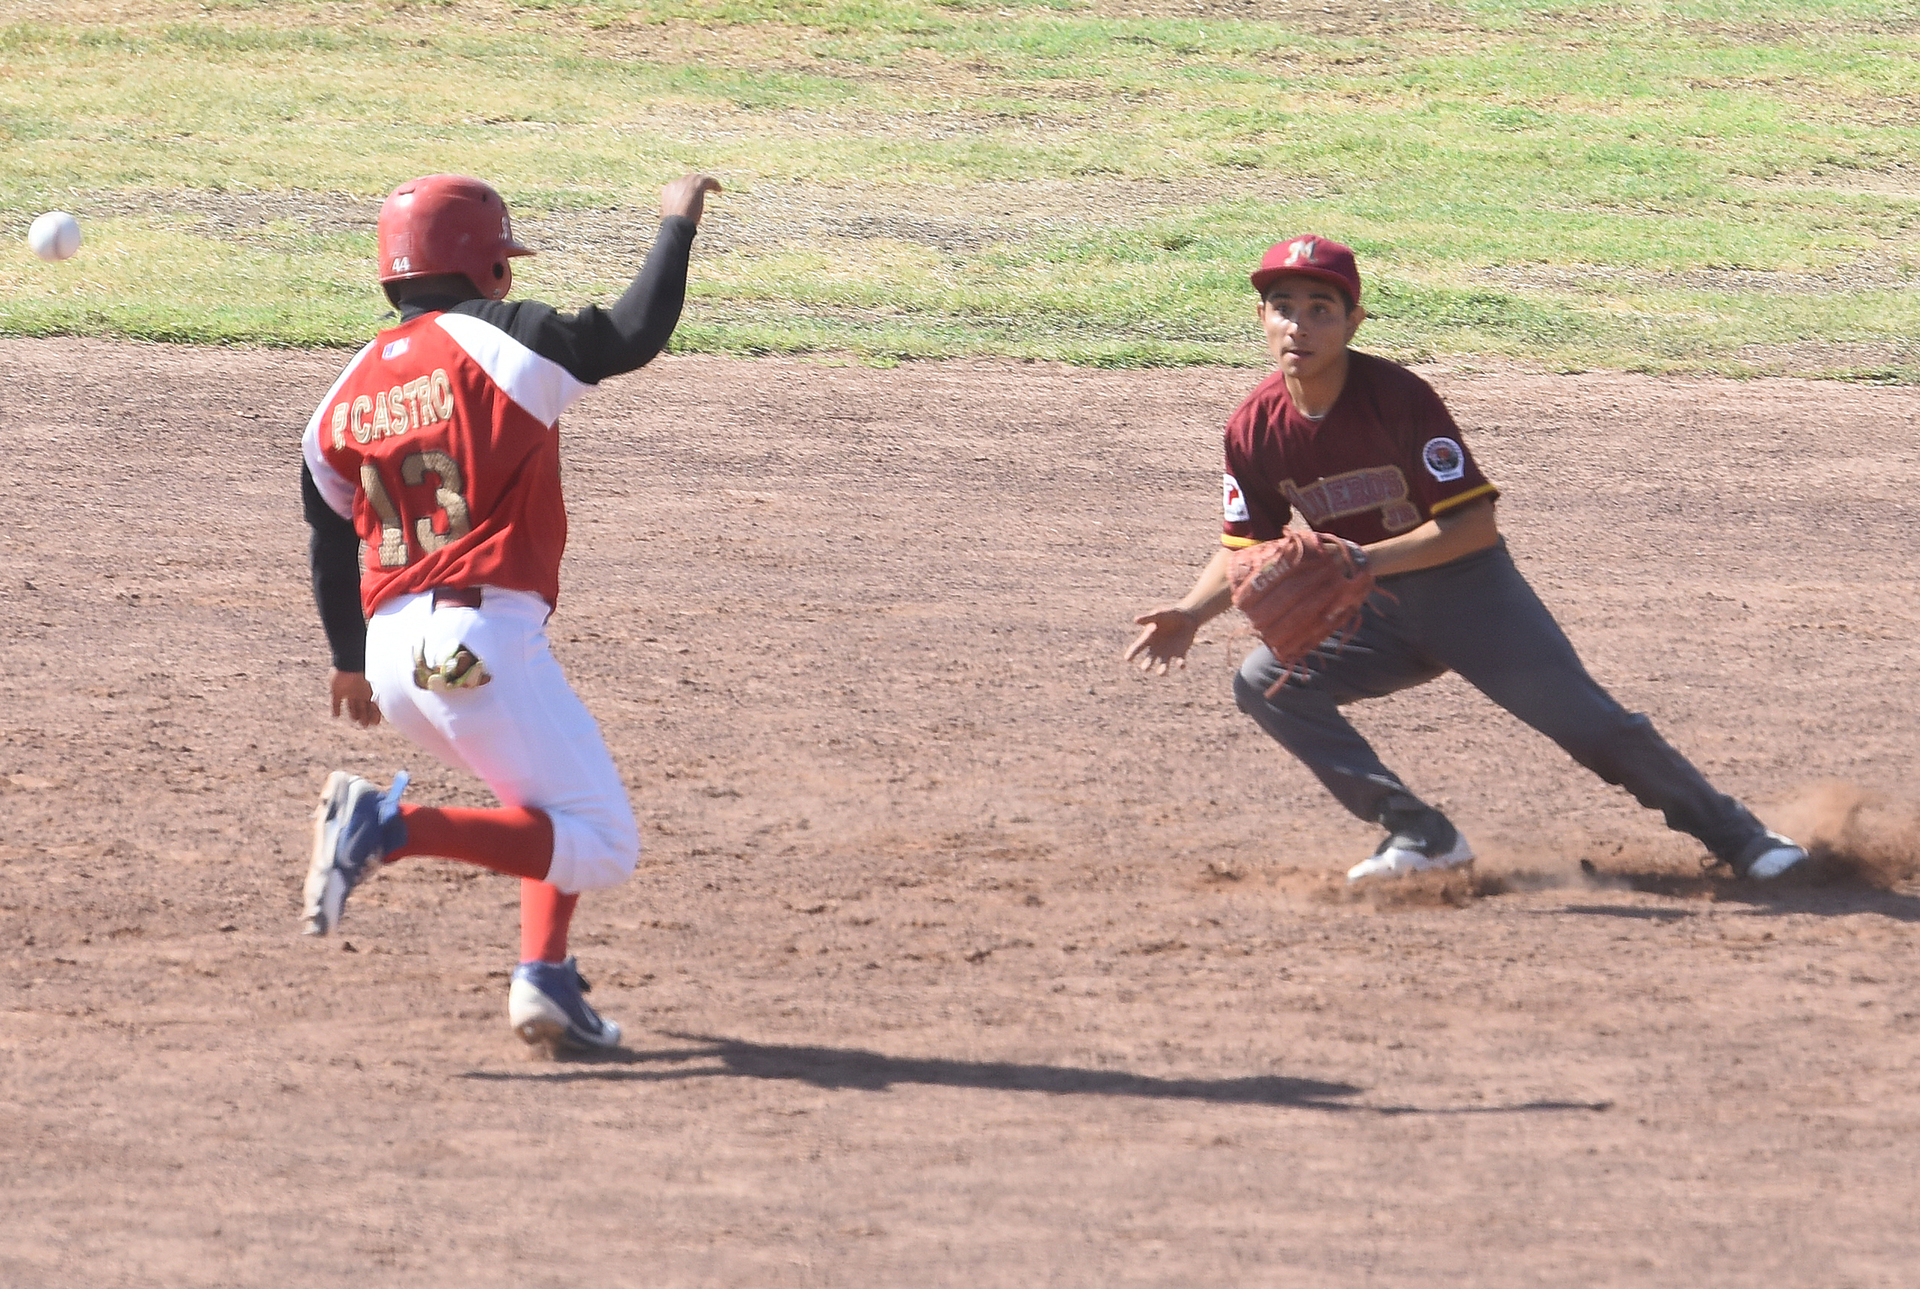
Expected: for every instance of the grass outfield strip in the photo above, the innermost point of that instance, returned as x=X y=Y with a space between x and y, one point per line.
x=1668 y=187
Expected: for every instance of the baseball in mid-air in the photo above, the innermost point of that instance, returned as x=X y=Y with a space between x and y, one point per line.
x=54 y=236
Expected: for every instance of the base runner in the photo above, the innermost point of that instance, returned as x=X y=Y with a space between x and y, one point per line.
x=438 y=450
x=1363 y=449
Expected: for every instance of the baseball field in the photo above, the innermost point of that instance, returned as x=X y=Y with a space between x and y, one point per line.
x=960 y=953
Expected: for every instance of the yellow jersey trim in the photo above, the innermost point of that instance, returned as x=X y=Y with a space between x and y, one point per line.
x=1236 y=543
x=1472 y=494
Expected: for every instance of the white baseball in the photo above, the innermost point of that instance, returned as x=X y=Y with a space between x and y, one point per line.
x=54 y=236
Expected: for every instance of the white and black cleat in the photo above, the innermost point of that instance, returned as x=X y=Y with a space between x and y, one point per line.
x=1768 y=856
x=1403 y=852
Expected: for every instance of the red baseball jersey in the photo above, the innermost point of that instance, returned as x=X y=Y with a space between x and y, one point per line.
x=441 y=442
x=1385 y=458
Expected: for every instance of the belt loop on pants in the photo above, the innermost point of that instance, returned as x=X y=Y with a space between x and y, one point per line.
x=461 y=597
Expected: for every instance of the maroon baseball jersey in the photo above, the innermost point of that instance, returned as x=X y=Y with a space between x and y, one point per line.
x=441 y=441
x=1385 y=458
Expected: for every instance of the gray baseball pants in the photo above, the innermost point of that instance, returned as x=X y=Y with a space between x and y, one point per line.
x=1479 y=617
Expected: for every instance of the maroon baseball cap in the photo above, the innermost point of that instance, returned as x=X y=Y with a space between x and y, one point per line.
x=1315 y=257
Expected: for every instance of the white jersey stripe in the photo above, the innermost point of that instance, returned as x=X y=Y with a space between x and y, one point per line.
x=335 y=488
x=540 y=385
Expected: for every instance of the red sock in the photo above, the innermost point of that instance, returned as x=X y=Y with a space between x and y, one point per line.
x=545 y=915
x=508 y=840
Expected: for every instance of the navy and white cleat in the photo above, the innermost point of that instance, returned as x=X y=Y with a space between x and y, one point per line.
x=545 y=1005
x=355 y=827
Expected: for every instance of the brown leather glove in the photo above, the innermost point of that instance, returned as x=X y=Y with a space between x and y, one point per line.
x=1300 y=592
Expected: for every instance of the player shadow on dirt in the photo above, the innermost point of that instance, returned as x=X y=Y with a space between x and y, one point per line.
x=846 y=1068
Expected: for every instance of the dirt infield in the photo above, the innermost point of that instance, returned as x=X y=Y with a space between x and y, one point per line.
x=960 y=954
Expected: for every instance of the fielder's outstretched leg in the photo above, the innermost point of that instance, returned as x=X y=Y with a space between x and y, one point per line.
x=1529 y=667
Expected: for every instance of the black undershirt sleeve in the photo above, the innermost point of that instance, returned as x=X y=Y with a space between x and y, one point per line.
x=333 y=551
x=596 y=343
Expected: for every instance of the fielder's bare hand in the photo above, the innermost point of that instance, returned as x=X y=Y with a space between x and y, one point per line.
x=351 y=691
x=687 y=196
x=1169 y=634
x=1170 y=629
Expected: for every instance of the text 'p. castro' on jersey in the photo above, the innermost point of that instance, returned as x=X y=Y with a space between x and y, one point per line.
x=440 y=442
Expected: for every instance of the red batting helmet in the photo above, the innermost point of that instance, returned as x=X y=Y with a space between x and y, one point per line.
x=448 y=224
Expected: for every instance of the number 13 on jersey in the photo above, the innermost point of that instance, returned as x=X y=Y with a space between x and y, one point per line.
x=448 y=522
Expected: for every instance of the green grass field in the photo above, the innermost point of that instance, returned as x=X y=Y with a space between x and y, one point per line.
x=1727 y=187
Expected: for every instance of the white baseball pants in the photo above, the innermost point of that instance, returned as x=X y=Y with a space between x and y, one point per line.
x=525 y=734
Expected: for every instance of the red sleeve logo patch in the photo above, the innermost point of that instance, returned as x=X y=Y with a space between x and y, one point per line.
x=1232 y=501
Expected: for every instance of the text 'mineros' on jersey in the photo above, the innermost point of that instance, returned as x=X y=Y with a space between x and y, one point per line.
x=440 y=442
x=1385 y=458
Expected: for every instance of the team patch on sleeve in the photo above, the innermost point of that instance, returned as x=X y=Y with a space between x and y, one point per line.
x=1444 y=458
x=1233 y=501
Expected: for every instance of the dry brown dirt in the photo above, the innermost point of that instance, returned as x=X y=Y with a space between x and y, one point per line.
x=960 y=954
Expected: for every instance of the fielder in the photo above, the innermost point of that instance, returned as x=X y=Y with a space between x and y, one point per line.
x=1364 y=450
x=438 y=448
